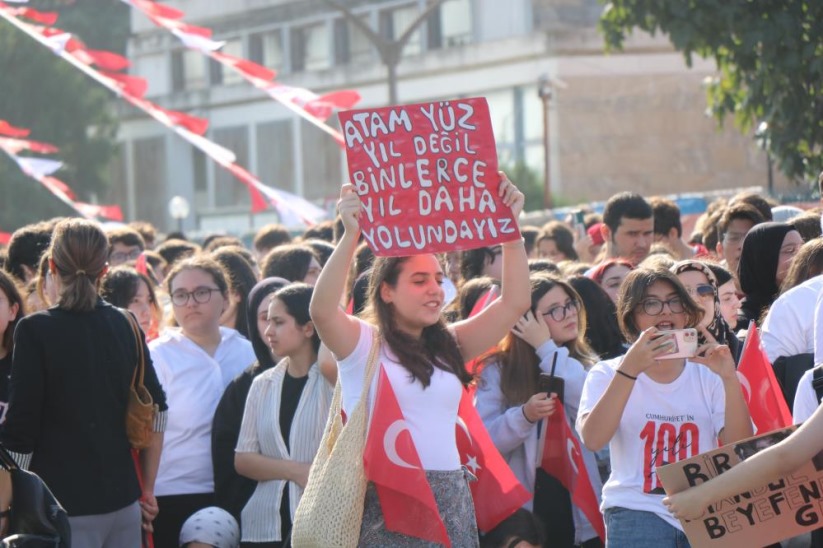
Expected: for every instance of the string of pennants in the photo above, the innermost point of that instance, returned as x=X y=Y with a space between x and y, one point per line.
x=106 y=68
x=13 y=141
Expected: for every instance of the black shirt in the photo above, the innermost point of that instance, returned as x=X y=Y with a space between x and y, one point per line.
x=5 y=375
x=289 y=398
x=70 y=379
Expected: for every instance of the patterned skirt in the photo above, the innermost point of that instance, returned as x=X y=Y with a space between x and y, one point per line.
x=454 y=501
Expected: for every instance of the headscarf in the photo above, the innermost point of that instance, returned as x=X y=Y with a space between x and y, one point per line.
x=758 y=267
x=213 y=526
x=718 y=328
x=264 y=288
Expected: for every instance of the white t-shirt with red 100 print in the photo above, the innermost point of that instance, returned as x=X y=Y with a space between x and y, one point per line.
x=661 y=424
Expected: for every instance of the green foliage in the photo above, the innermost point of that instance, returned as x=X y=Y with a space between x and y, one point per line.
x=60 y=105
x=530 y=182
x=770 y=60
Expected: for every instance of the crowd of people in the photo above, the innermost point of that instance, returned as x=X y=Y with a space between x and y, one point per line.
x=244 y=348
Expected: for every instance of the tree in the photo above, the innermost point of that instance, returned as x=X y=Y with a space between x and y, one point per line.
x=770 y=61
x=61 y=106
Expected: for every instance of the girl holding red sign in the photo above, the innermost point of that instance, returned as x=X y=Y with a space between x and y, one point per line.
x=422 y=357
x=657 y=405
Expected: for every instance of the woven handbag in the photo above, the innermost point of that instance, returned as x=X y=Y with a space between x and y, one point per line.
x=331 y=508
x=141 y=409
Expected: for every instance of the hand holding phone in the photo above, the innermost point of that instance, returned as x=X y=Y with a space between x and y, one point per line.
x=551 y=384
x=685 y=343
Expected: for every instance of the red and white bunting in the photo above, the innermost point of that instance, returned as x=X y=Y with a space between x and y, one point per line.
x=132 y=88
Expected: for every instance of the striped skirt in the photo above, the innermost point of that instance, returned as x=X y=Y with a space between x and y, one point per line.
x=454 y=501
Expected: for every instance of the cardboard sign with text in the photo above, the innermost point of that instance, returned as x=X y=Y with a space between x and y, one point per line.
x=427 y=177
x=780 y=510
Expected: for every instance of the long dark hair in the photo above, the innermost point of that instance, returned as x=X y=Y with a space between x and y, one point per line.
x=242 y=279
x=8 y=287
x=436 y=346
x=296 y=298
x=602 y=332
x=79 y=250
x=519 y=364
x=120 y=285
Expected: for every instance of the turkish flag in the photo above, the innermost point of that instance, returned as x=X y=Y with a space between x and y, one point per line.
x=12 y=131
x=132 y=85
x=563 y=459
x=157 y=9
x=760 y=387
x=497 y=493
x=393 y=465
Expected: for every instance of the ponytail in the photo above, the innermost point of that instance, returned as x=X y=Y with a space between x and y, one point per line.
x=79 y=249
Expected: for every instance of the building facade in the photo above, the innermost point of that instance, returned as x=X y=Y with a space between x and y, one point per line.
x=628 y=120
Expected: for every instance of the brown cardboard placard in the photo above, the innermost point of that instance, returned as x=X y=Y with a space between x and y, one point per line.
x=779 y=510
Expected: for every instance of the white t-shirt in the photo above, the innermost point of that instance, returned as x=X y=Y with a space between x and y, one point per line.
x=430 y=413
x=194 y=383
x=789 y=327
x=805 y=399
x=661 y=424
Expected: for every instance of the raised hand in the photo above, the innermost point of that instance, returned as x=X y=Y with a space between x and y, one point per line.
x=532 y=329
x=511 y=196
x=349 y=208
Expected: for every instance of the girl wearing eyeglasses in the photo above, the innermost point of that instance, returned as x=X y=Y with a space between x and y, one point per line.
x=701 y=284
x=513 y=406
x=654 y=411
x=194 y=363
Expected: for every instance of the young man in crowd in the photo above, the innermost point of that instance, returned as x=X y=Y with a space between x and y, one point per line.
x=125 y=244
x=735 y=223
x=628 y=227
x=668 y=230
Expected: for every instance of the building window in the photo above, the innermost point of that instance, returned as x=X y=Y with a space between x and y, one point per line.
x=201 y=182
x=188 y=70
x=455 y=18
x=394 y=23
x=351 y=45
x=310 y=48
x=220 y=74
x=275 y=154
x=322 y=162
x=266 y=49
x=228 y=191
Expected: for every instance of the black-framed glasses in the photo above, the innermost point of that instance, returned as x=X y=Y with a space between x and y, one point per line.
x=702 y=290
x=558 y=313
x=654 y=307
x=122 y=256
x=201 y=295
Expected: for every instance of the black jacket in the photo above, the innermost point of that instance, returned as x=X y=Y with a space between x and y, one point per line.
x=70 y=379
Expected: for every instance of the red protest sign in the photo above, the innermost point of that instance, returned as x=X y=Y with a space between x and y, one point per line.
x=427 y=177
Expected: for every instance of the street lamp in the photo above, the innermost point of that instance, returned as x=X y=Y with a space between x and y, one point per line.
x=179 y=210
x=764 y=141
x=544 y=91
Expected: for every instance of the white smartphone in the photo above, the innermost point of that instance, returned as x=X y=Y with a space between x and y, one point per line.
x=685 y=343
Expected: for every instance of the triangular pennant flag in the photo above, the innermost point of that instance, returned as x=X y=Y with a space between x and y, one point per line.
x=43 y=17
x=132 y=85
x=156 y=9
x=563 y=459
x=767 y=406
x=12 y=131
x=393 y=465
x=248 y=68
x=57 y=186
x=37 y=167
x=497 y=493
x=198 y=42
